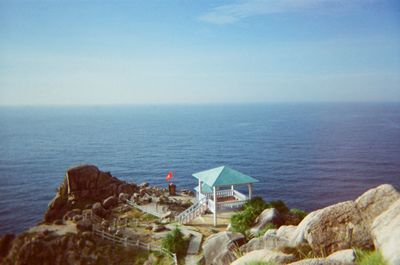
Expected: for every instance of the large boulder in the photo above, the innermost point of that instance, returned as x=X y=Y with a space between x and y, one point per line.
x=268 y=216
x=219 y=249
x=386 y=233
x=264 y=255
x=345 y=225
x=318 y=261
x=375 y=201
x=84 y=184
x=99 y=210
x=347 y=256
x=340 y=226
x=273 y=239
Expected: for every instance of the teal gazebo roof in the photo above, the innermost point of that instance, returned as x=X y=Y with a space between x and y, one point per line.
x=223 y=176
x=204 y=188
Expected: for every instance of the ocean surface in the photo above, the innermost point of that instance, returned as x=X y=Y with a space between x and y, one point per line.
x=309 y=155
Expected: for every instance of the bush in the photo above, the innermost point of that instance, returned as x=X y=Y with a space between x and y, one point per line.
x=300 y=213
x=279 y=205
x=174 y=242
x=365 y=257
x=256 y=203
x=243 y=220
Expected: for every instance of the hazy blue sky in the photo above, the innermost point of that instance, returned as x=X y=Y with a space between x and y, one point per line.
x=107 y=52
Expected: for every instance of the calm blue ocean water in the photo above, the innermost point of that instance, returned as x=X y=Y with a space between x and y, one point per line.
x=310 y=155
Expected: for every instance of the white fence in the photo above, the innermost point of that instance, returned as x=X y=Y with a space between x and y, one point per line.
x=193 y=211
x=125 y=241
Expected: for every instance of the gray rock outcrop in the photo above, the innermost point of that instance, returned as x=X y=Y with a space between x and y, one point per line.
x=344 y=225
x=347 y=256
x=268 y=216
x=264 y=255
x=386 y=233
x=219 y=249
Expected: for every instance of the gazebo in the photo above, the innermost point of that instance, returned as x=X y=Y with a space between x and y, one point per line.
x=216 y=192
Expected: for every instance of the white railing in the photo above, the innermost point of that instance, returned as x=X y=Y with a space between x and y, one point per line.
x=193 y=211
x=125 y=241
x=224 y=193
x=231 y=205
x=239 y=196
x=211 y=205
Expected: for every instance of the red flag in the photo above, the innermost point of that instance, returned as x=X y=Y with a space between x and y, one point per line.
x=169 y=176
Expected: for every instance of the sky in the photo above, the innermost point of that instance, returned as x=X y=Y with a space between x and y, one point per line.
x=182 y=52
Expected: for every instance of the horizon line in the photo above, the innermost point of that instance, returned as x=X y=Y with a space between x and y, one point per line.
x=203 y=103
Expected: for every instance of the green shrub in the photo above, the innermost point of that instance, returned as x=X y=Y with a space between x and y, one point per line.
x=243 y=220
x=256 y=203
x=174 y=242
x=300 y=213
x=366 y=257
x=279 y=205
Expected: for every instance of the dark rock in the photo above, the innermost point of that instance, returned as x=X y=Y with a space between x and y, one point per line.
x=105 y=224
x=143 y=185
x=77 y=218
x=58 y=222
x=110 y=202
x=126 y=188
x=157 y=228
x=84 y=225
x=123 y=197
x=98 y=210
x=5 y=244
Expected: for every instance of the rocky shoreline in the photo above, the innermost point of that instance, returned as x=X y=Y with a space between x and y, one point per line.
x=89 y=198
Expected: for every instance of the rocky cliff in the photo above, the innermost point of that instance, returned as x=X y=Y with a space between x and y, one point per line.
x=84 y=185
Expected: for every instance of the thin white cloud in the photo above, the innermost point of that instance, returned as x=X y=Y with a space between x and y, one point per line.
x=231 y=13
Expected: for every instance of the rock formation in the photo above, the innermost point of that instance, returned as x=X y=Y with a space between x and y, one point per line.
x=345 y=225
x=386 y=233
x=82 y=185
x=220 y=248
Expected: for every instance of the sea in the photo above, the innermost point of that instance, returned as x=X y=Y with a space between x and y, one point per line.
x=309 y=155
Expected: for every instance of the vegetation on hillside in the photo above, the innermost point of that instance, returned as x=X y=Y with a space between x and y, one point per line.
x=367 y=257
x=175 y=242
x=243 y=220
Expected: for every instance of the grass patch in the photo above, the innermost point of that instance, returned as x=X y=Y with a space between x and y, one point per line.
x=148 y=218
x=243 y=220
x=300 y=213
x=368 y=257
x=175 y=242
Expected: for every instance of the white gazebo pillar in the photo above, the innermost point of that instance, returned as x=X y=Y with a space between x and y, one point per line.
x=215 y=205
x=250 y=190
x=199 y=190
